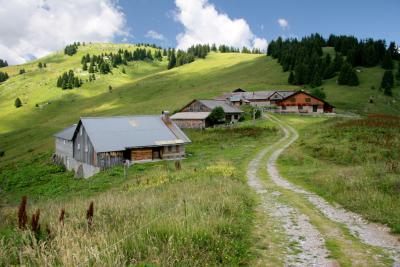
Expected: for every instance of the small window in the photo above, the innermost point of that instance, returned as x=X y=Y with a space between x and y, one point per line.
x=65 y=141
x=236 y=117
x=283 y=107
x=86 y=149
x=300 y=107
x=79 y=146
x=293 y=99
x=308 y=99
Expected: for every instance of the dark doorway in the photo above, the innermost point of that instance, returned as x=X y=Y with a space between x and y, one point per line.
x=315 y=108
x=156 y=153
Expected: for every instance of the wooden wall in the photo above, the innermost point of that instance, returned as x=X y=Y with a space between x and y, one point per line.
x=196 y=106
x=83 y=148
x=142 y=154
x=301 y=99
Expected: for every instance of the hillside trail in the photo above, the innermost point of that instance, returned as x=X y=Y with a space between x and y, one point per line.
x=311 y=247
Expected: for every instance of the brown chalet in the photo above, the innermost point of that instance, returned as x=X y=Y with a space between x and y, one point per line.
x=195 y=114
x=305 y=103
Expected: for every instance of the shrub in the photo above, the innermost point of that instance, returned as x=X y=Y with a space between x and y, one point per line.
x=217 y=115
x=18 y=102
x=2 y=153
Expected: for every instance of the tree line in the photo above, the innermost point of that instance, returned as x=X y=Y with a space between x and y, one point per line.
x=68 y=80
x=3 y=63
x=181 y=57
x=307 y=64
x=3 y=76
x=72 y=48
x=105 y=62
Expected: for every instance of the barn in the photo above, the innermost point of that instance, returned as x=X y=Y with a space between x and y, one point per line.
x=304 y=103
x=194 y=114
x=99 y=143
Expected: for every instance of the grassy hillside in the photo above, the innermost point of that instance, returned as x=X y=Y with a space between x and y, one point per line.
x=352 y=162
x=147 y=87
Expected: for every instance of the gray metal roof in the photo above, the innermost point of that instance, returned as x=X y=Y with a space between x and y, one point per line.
x=256 y=95
x=119 y=133
x=67 y=133
x=220 y=103
x=190 y=115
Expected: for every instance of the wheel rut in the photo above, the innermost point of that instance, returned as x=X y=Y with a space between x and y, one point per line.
x=311 y=250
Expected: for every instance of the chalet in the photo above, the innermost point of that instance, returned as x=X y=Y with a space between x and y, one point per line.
x=195 y=114
x=302 y=102
x=257 y=98
x=98 y=143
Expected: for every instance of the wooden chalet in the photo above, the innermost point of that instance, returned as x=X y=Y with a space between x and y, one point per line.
x=195 y=114
x=98 y=143
x=303 y=102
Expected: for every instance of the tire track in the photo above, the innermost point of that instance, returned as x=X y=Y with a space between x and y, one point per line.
x=369 y=233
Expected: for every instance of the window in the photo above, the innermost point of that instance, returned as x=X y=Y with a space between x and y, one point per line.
x=86 y=149
x=293 y=99
x=65 y=141
x=300 y=107
x=80 y=131
x=308 y=99
x=283 y=107
x=79 y=146
x=236 y=117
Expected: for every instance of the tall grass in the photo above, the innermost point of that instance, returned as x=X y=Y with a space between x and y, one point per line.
x=352 y=162
x=198 y=214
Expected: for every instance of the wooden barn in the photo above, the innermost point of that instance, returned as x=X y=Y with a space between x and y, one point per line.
x=102 y=142
x=239 y=97
x=194 y=114
x=304 y=103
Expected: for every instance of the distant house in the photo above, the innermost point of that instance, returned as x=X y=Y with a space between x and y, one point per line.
x=302 y=102
x=257 y=98
x=195 y=114
x=98 y=143
x=283 y=101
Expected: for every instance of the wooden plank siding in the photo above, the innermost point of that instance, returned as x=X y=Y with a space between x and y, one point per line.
x=196 y=106
x=110 y=159
x=83 y=149
x=142 y=154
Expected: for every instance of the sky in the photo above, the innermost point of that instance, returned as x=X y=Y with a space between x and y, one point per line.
x=43 y=26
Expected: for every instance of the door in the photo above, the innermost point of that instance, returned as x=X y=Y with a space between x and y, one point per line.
x=315 y=108
x=156 y=153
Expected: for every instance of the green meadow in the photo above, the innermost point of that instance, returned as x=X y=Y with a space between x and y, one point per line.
x=205 y=212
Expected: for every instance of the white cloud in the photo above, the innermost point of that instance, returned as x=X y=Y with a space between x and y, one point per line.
x=204 y=24
x=37 y=27
x=283 y=23
x=154 y=35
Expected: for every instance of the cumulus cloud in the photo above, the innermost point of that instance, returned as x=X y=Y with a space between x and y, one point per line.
x=204 y=24
x=34 y=28
x=283 y=23
x=154 y=35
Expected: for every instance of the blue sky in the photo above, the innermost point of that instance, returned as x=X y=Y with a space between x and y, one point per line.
x=377 y=19
x=44 y=26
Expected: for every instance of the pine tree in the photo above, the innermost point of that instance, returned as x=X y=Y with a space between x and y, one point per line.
x=40 y=65
x=353 y=78
x=330 y=71
x=387 y=82
x=291 y=78
x=338 y=62
x=343 y=78
x=18 y=102
x=387 y=62
x=398 y=72
x=84 y=66
x=172 y=60
x=316 y=79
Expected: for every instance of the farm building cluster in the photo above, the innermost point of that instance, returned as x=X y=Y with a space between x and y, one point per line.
x=98 y=143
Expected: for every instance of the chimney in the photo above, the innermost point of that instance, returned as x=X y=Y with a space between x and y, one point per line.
x=165 y=117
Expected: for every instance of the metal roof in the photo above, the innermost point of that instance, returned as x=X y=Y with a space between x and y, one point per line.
x=190 y=115
x=67 y=133
x=211 y=104
x=256 y=95
x=119 y=133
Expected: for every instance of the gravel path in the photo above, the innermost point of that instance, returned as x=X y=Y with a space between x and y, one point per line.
x=369 y=233
x=307 y=244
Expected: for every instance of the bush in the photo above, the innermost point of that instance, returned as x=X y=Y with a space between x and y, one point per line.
x=2 y=153
x=18 y=103
x=217 y=115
